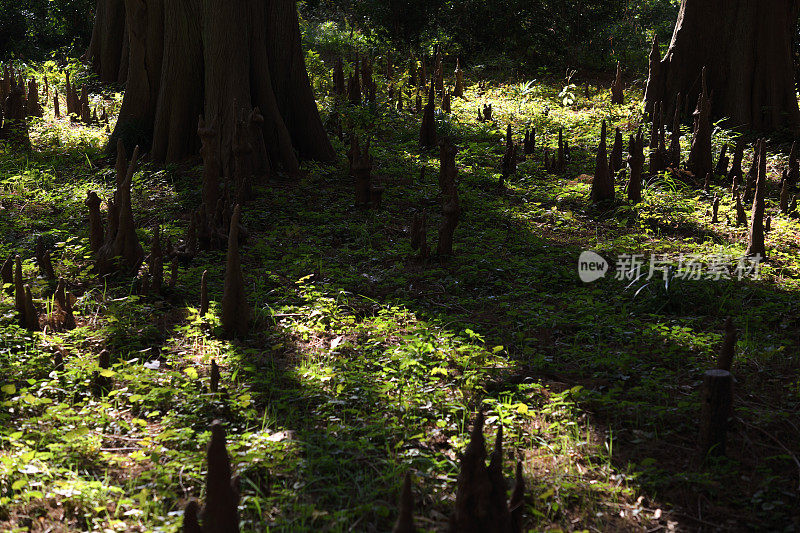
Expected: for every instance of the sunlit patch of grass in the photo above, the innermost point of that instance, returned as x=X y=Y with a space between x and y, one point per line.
x=363 y=363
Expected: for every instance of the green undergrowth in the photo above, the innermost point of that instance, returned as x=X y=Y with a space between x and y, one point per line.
x=364 y=362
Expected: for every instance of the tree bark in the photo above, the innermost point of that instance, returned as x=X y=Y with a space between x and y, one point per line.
x=746 y=46
x=218 y=59
x=180 y=101
x=109 y=41
x=146 y=41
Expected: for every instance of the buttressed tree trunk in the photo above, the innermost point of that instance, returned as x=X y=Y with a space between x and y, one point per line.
x=189 y=58
x=746 y=46
x=109 y=42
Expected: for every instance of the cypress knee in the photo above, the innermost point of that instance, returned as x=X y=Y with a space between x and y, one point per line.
x=204 y=294
x=405 y=520
x=636 y=162
x=615 y=160
x=618 y=89
x=451 y=207
x=700 y=160
x=427 y=135
x=756 y=246
x=235 y=309
x=717 y=406
x=603 y=182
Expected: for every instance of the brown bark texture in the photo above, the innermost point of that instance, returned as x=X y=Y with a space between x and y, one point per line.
x=187 y=58
x=746 y=46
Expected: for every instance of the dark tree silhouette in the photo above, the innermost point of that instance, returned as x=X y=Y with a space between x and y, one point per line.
x=187 y=58
x=746 y=46
x=108 y=50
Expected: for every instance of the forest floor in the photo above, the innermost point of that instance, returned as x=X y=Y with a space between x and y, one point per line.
x=364 y=362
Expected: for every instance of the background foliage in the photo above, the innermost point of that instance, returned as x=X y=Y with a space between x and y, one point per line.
x=591 y=34
x=33 y=29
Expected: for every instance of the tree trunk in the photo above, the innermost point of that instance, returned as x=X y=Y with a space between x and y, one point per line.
x=746 y=45
x=109 y=41
x=146 y=43
x=216 y=59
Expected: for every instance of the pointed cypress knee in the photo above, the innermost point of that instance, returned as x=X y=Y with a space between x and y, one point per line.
x=700 y=160
x=603 y=182
x=204 y=294
x=65 y=319
x=741 y=216
x=735 y=174
x=405 y=520
x=43 y=260
x=529 y=145
x=427 y=135
x=755 y=247
x=446 y=99
x=31 y=314
x=235 y=309
x=451 y=206
x=615 y=160
x=509 y=164
x=498 y=508
x=215 y=376
x=58 y=361
x=717 y=397
x=618 y=89
x=221 y=513
x=722 y=163
x=715 y=210
x=96 y=236
x=56 y=104
x=785 y=196
x=481 y=495
x=473 y=483
x=752 y=174
x=636 y=162
x=458 y=91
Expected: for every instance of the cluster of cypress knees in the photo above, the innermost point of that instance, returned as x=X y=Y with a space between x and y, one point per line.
x=116 y=248
x=699 y=168
x=360 y=86
x=20 y=100
x=481 y=506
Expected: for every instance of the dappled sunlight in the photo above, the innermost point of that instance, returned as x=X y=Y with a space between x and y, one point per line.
x=364 y=362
